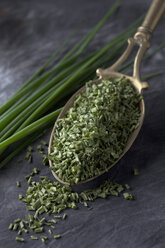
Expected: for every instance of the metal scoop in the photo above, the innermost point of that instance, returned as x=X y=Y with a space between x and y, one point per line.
x=141 y=38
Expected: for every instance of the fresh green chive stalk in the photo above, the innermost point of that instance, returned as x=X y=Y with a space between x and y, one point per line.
x=29 y=129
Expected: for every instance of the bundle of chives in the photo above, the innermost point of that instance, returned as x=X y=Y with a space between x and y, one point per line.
x=28 y=110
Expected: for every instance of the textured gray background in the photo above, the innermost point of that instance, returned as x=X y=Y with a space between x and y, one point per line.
x=29 y=32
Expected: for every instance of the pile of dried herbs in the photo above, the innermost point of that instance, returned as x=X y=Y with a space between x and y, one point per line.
x=95 y=130
x=47 y=199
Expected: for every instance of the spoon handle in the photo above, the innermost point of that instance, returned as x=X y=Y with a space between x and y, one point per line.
x=140 y=38
x=144 y=32
x=154 y=14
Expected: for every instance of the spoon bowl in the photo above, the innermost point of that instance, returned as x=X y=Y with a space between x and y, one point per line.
x=105 y=75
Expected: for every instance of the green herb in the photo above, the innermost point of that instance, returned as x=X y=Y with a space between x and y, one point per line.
x=57 y=216
x=21 y=224
x=29 y=176
x=11 y=226
x=18 y=184
x=15 y=227
x=53 y=227
x=43 y=240
x=44 y=156
x=38 y=230
x=52 y=221
x=20 y=196
x=44 y=237
x=34 y=237
x=85 y=204
x=19 y=239
x=30 y=180
x=45 y=160
x=19 y=232
x=95 y=131
x=25 y=230
x=57 y=236
x=136 y=172
x=51 y=197
x=28 y=157
x=17 y=220
x=128 y=196
x=64 y=216
x=35 y=171
x=127 y=186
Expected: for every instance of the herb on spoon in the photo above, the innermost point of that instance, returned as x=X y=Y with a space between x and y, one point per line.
x=94 y=132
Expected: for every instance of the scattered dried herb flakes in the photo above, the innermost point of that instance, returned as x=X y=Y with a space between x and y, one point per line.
x=135 y=172
x=50 y=197
x=19 y=239
x=34 y=172
x=128 y=196
x=95 y=130
x=11 y=226
x=127 y=186
x=18 y=184
x=34 y=237
x=28 y=157
x=57 y=236
x=45 y=160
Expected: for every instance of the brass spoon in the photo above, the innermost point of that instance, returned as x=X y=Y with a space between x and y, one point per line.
x=141 y=38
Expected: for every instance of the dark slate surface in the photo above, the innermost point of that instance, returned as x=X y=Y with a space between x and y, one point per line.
x=29 y=32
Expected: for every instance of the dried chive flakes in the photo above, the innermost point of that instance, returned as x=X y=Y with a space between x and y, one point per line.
x=28 y=157
x=57 y=236
x=11 y=226
x=17 y=220
x=136 y=172
x=15 y=227
x=34 y=237
x=127 y=186
x=128 y=196
x=19 y=232
x=95 y=130
x=50 y=197
x=19 y=239
x=64 y=216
